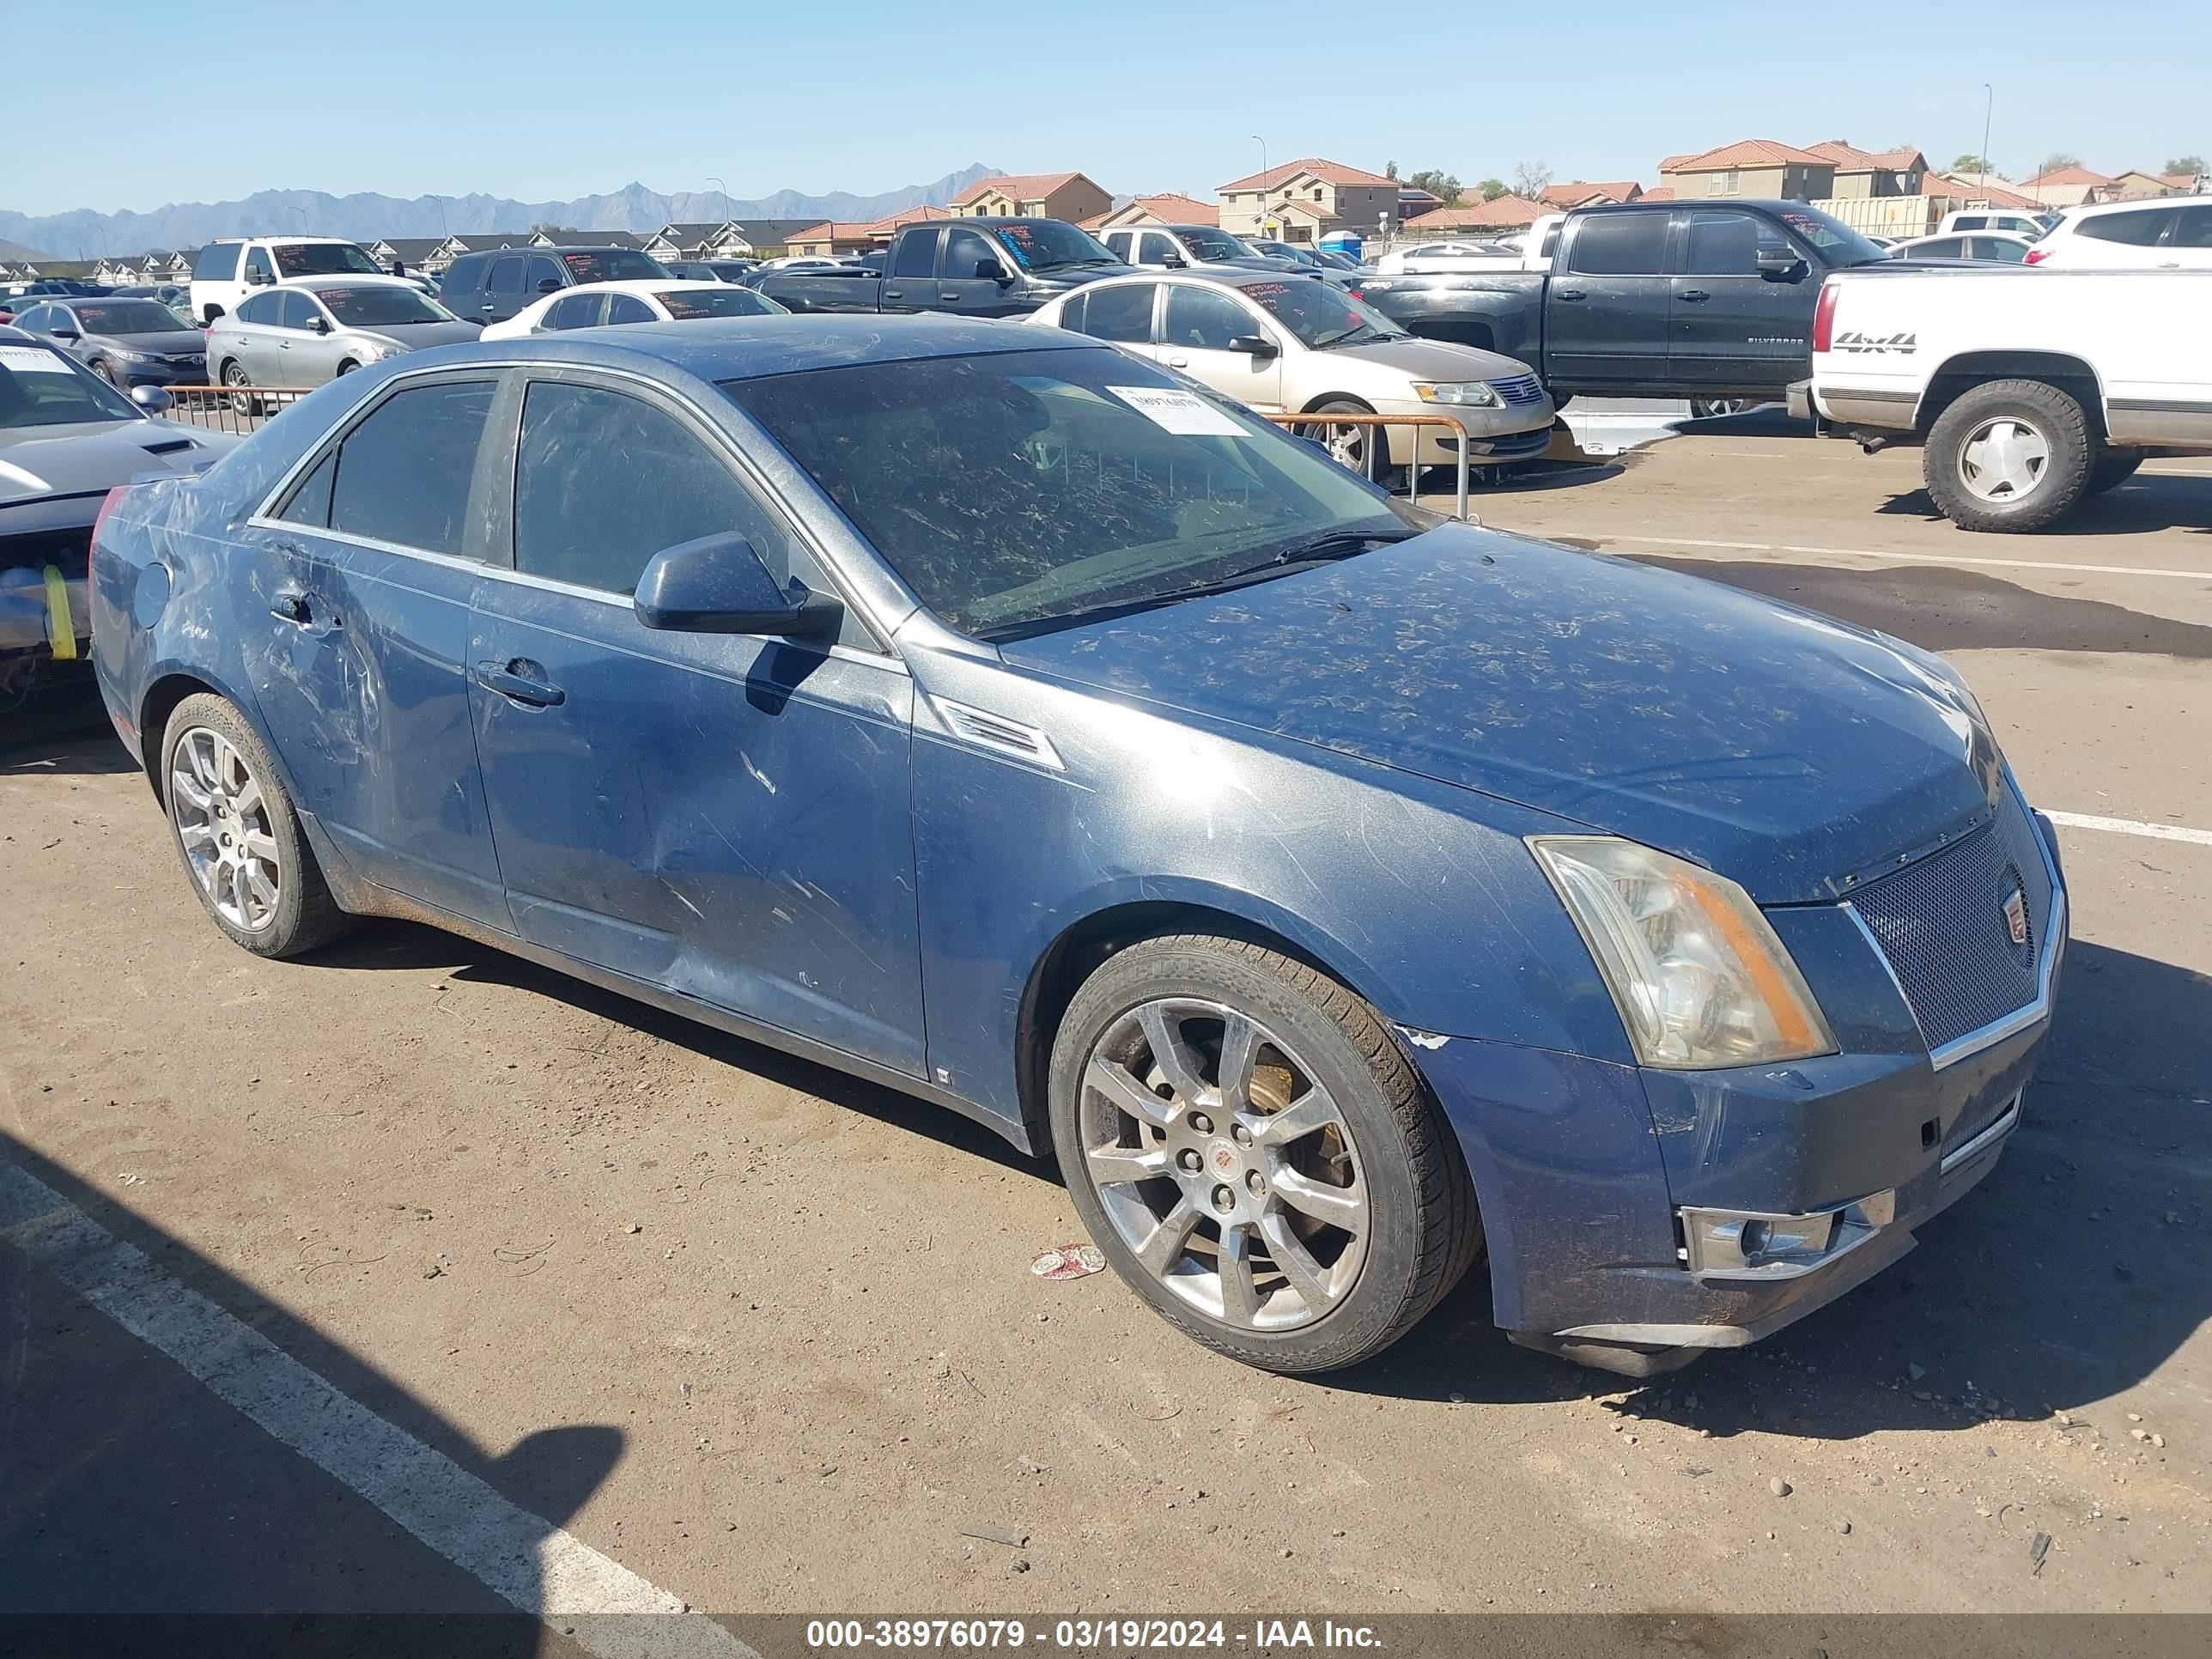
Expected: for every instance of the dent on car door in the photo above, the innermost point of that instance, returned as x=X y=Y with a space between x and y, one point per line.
x=357 y=589
x=722 y=816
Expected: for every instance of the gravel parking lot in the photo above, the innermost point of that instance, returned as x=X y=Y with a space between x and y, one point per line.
x=766 y=1338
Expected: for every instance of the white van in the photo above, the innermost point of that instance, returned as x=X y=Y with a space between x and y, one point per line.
x=226 y=271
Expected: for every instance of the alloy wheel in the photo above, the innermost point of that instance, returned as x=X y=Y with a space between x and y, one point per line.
x=1224 y=1165
x=233 y=375
x=2003 y=459
x=222 y=818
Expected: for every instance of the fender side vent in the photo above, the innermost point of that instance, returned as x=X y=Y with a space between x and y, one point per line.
x=997 y=733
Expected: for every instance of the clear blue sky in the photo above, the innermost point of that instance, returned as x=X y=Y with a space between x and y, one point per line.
x=562 y=98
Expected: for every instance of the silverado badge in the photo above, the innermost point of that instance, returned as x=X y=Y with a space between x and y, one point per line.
x=2015 y=915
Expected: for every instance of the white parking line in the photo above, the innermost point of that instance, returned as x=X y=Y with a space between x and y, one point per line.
x=1867 y=553
x=2131 y=827
x=522 y=1556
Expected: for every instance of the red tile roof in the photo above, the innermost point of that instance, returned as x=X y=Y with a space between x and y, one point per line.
x=1506 y=213
x=2067 y=175
x=1658 y=193
x=2177 y=180
x=1575 y=192
x=854 y=230
x=1965 y=187
x=1016 y=186
x=1329 y=172
x=1850 y=159
x=1172 y=208
x=1745 y=153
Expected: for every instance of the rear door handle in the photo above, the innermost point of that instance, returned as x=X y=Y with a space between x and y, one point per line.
x=515 y=681
x=1694 y=296
x=948 y=298
x=894 y=293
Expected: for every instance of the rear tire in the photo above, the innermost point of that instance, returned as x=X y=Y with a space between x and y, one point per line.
x=2112 y=468
x=1299 y=1209
x=234 y=375
x=2011 y=455
x=239 y=839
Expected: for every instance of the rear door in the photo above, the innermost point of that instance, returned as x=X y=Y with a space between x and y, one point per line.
x=1120 y=312
x=253 y=330
x=910 y=284
x=722 y=816
x=2189 y=238
x=1606 y=313
x=1196 y=325
x=1734 y=328
x=503 y=294
x=2119 y=242
x=356 y=586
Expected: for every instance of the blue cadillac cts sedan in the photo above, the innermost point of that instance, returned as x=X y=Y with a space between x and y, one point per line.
x=1342 y=893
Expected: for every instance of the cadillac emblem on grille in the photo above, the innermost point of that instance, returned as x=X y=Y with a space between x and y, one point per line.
x=2015 y=915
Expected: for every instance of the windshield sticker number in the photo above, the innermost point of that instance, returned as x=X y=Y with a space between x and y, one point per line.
x=31 y=360
x=1180 y=412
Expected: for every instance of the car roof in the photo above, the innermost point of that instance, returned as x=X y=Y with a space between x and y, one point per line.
x=2099 y=209
x=281 y=237
x=639 y=285
x=1228 y=277
x=753 y=348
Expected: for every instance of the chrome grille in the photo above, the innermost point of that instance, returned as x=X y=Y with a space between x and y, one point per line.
x=1941 y=924
x=1519 y=389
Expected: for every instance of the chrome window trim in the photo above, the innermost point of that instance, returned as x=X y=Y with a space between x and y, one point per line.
x=262 y=517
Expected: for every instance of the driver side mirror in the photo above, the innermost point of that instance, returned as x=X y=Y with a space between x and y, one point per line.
x=548 y=285
x=1781 y=264
x=154 y=399
x=1259 y=345
x=321 y=324
x=990 y=270
x=1172 y=261
x=718 y=585
x=258 y=279
x=65 y=334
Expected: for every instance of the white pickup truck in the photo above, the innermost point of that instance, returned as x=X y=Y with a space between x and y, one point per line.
x=2029 y=388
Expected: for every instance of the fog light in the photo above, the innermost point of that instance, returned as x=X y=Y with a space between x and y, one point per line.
x=1758 y=1244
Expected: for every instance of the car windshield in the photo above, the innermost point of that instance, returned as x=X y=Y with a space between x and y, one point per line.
x=380 y=306
x=1051 y=244
x=1023 y=491
x=1332 y=259
x=1838 y=242
x=1321 y=314
x=611 y=265
x=129 y=317
x=685 y=303
x=38 y=387
x=322 y=260
x=1216 y=245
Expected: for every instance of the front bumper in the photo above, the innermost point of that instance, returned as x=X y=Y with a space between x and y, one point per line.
x=160 y=374
x=1495 y=435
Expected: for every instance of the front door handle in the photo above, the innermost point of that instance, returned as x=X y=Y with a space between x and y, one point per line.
x=949 y=298
x=516 y=681
x=894 y=293
x=1695 y=296
x=292 y=608
x=1569 y=294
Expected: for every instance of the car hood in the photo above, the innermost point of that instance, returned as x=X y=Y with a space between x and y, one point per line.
x=415 y=336
x=166 y=343
x=1432 y=359
x=67 y=461
x=1790 y=752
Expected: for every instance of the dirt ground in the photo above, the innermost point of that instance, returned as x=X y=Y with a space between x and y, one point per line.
x=768 y=1337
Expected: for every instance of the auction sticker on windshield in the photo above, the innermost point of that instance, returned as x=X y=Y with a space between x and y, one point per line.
x=1180 y=412
x=31 y=360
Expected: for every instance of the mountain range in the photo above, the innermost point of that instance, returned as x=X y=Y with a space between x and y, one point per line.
x=83 y=234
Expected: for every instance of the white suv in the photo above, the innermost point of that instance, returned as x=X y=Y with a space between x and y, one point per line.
x=2166 y=232
x=2030 y=225
x=225 y=273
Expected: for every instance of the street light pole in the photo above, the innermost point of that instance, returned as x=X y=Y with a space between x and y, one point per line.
x=1989 y=105
x=1262 y=143
x=722 y=190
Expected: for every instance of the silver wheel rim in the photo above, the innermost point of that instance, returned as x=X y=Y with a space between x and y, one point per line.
x=1347 y=444
x=2003 y=460
x=235 y=376
x=222 y=823
x=1224 y=1165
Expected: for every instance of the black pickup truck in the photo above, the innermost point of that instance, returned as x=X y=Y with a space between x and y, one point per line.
x=1710 y=300
x=971 y=267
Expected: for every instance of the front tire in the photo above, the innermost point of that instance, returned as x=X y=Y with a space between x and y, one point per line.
x=1250 y=1149
x=1713 y=409
x=238 y=835
x=2012 y=455
x=99 y=366
x=1348 y=446
x=233 y=376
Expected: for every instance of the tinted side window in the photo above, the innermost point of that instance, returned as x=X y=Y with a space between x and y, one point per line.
x=217 y=263
x=1998 y=248
x=506 y=275
x=1157 y=248
x=295 y=310
x=1117 y=244
x=542 y=271
x=1070 y=312
x=1123 y=314
x=574 y=311
x=578 y=519
x=2133 y=229
x=629 y=308
x=260 y=309
x=917 y=254
x=1203 y=319
x=403 y=473
x=311 y=500
x=1620 y=244
x=1943 y=247
x=964 y=251
x=1971 y=221
x=2194 y=229
x=1728 y=244
x=466 y=272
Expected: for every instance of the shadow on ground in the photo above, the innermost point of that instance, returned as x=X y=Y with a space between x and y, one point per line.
x=2147 y=503
x=131 y=1491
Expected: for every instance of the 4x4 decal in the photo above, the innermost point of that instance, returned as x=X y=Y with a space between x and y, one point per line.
x=1904 y=342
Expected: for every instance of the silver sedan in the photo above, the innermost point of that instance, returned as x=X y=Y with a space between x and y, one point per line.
x=303 y=334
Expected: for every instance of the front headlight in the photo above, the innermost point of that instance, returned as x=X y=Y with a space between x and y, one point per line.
x=1699 y=978
x=129 y=356
x=1461 y=391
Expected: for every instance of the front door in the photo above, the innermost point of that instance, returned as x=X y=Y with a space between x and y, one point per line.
x=305 y=356
x=910 y=283
x=1605 y=313
x=503 y=294
x=959 y=290
x=1734 y=328
x=358 y=587
x=720 y=816
x=1196 y=327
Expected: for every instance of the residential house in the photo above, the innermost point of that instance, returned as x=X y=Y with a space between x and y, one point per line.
x=1168 y=208
x=1413 y=202
x=414 y=252
x=1751 y=167
x=1301 y=201
x=2131 y=186
x=1069 y=195
x=1475 y=218
x=1899 y=172
x=727 y=238
x=1658 y=193
x=1967 y=189
x=839 y=238
x=1575 y=193
x=561 y=236
x=2066 y=186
